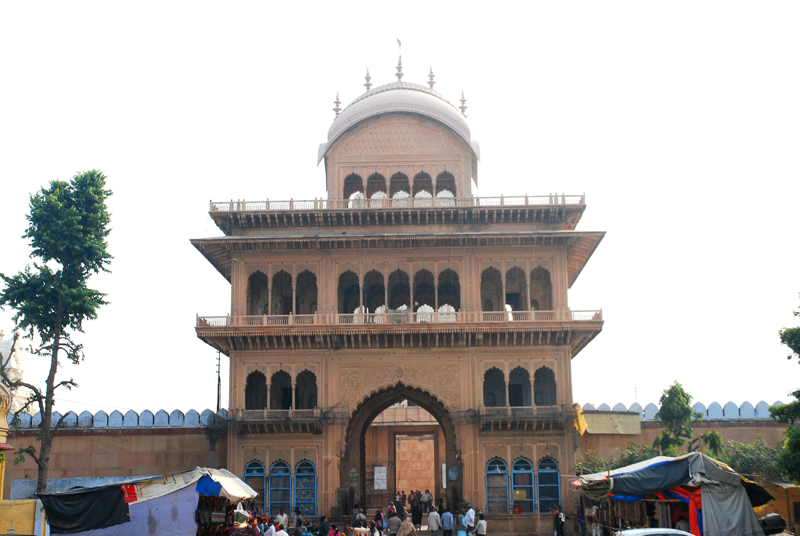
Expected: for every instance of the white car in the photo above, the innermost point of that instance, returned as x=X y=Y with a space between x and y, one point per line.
x=652 y=532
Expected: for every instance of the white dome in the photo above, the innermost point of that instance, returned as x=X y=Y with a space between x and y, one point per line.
x=399 y=97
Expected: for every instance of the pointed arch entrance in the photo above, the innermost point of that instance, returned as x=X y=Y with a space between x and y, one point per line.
x=353 y=470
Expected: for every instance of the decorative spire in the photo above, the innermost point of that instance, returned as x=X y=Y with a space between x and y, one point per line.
x=431 y=82
x=463 y=106
x=336 y=103
x=368 y=78
x=399 y=73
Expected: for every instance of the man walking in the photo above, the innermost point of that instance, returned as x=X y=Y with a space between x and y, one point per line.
x=434 y=523
x=469 y=520
x=447 y=523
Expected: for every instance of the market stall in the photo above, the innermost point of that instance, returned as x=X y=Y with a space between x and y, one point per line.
x=716 y=500
x=198 y=502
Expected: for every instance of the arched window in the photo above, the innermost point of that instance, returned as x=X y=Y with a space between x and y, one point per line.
x=257 y=294
x=305 y=488
x=449 y=289
x=374 y=290
x=375 y=183
x=519 y=387
x=445 y=182
x=541 y=290
x=517 y=289
x=423 y=289
x=349 y=299
x=280 y=488
x=522 y=486
x=549 y=485
x=492 y=290
x=281 y=391
x=399 y=289
x=544 y=387
x=306 y=390
x=398 y=183
x=352 y=183
x=255 y=392
x=282 y=293
x=256 y=478
x=494 y=388
x=496 y=487
x=306 y=293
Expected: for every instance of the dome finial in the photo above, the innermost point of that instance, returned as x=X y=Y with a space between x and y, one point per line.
x=463 y=106
x=431 y=82
x=399 y=73
x=368 y=78
x=336 y=103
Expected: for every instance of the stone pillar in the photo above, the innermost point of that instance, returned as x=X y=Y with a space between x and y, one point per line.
x=529 y=281
x=436 y=285
x=411 y=287
x=294 y=299
x=503 y=286
x=385 y=288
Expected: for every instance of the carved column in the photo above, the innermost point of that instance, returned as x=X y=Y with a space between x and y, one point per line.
x=503 y=285
x=411 y=287
x=294 y=299
x=361 y=287
x=529 y=280
x=436 y=286
x=385 y=287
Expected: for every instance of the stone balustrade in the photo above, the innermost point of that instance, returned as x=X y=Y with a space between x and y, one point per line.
x=330 y=319
x=241 y=205
x=116 y=419
x=713 y=411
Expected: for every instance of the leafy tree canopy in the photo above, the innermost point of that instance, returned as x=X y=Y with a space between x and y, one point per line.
x=677 y=415
x=789 y=459
x=67 y=230
x=791 y=338
x=756 y=458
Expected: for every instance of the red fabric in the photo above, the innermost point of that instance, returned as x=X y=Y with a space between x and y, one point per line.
x=129 y=493
x=695 y=503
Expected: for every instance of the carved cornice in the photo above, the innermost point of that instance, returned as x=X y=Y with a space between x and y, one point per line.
x=575 y=335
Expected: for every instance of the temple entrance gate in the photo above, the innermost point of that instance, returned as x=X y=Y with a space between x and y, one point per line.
x=353 y=468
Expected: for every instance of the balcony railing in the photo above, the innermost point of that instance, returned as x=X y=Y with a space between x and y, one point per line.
x=406 y=202
x=510 y=412
x=276 y=415
x=462 y=317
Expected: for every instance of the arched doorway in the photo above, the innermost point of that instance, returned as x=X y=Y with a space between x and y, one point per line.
x=353 y=470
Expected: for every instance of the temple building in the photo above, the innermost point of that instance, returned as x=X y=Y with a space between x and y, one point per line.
x=401 y=327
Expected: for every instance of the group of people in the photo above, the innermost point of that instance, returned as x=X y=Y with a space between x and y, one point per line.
x=425 y=500
x=397 y=521
x=246 y=524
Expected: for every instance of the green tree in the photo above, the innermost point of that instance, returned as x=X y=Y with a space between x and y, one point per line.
x=590 y=463
x=67 y=230
x=677 y=415
x=789 y=459
x=791 y=338
x=635 y=453
x=756 y=458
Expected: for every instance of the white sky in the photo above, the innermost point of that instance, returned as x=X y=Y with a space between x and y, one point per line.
x=679 y=120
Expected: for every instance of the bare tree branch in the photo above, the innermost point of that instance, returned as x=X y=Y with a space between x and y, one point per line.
x=61 y=420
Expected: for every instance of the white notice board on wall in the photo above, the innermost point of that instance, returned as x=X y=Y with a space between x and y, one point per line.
x=444 y=476
x=380 y=477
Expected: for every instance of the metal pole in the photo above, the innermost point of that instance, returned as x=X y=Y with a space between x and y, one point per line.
x=219 y=381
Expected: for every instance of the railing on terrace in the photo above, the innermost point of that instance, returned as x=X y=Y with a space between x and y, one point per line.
x=406 y=202
x=398 y=318
x=528 y=412
x=276 y=414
